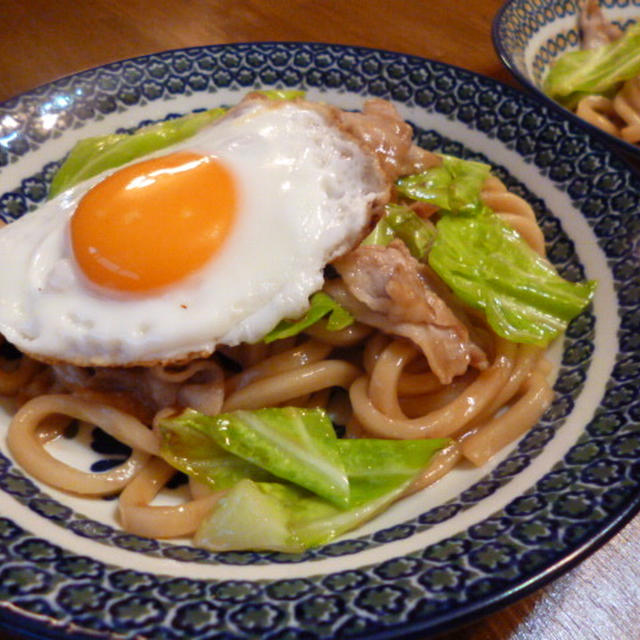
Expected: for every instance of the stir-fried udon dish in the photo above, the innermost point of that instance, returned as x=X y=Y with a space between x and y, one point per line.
x=600 y=82
x=294 y=306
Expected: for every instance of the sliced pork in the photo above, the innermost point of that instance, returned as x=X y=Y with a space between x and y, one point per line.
x=596 y=30
x=387 y=288
x=380 y=129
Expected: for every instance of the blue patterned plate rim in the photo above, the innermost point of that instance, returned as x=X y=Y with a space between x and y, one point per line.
x=507 y=60
x=14 y=622
x=498 y=593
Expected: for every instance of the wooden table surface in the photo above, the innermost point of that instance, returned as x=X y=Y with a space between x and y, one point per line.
x=44 y=39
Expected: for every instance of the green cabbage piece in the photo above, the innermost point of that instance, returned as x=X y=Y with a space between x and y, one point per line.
x=321 y=305
x=490 y=267
x=262 y=512
x=282 y=94
x=92 y=156
x=401 y=222
x=298 y=445
x=486 y=263
x=454 y=185
x=195 y=453
x=281 y=517
x=278 y=517
x=577 y=73
x=247 y=518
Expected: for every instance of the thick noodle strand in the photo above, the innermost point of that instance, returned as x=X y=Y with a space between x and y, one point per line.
x=307 y=353
x=29 y=451
x=441 y=422
x=283 y=387
x=439 y=466
x=515 y=211
x=143 y=519
x=486 y=441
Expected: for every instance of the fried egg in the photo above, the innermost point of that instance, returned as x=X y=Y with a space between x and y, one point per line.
x=212 y=241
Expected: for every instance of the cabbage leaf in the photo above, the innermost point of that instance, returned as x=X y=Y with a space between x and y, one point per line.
x=490 y=267
x=298 y=445
x=486 y=262
x=260 y=511
x=282 y=94
x=92 y=156
x=282 y=517
x=401 y=222
x=599 y=70
x=454 y=185
x=321 y=305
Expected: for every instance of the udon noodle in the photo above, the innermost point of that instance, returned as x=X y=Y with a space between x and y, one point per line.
x=619 y=116
x=372 y=383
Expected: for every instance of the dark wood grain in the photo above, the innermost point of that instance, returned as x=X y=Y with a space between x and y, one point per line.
x=45 y=39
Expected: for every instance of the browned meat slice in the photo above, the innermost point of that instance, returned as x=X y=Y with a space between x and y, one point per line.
x=382 y=131
x=378 y=129
x=387 y=288
x=596 y=30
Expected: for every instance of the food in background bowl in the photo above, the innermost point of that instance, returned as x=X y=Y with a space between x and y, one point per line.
x=530 y=36
x=601 y=82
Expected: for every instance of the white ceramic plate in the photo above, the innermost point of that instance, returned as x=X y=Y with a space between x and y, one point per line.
x=477 y=539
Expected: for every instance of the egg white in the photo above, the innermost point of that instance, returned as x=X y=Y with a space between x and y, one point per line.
x=306 y=191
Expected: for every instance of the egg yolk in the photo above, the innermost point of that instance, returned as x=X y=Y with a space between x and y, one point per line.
x=154 y=222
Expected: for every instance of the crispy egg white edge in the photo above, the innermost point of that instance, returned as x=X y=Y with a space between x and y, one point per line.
x=313 y=193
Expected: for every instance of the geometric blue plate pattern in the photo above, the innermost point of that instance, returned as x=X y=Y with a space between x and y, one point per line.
x=588 y=491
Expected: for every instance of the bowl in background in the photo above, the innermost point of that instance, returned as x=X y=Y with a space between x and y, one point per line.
x=530 y=35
